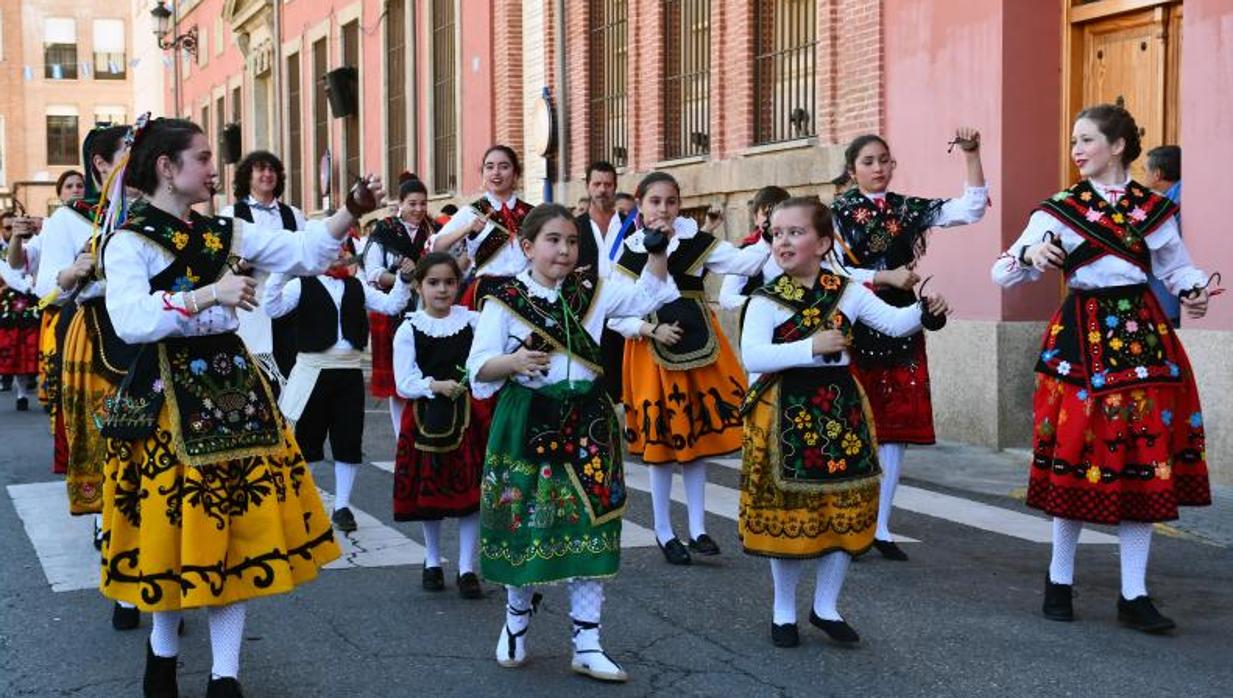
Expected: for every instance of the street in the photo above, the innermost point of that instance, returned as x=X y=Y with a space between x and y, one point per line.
x=961 y=618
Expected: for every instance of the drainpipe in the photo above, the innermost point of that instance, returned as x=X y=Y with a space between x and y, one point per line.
x=277 y=70
x=414 y=135
x=562 y=143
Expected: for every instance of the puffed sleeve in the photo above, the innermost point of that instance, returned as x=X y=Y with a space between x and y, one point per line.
x=1007 y=271
x=374 y=267
x=491 y=333
x=282 y=295
x=637 y=299
x=758 y=352
x=408 y=380
x=138 y=313
x=966 y=209
x=1171 y=261
x=462 y=220
x=391 y=303
x=727 y=258
x=730 y=296
x=302 y=254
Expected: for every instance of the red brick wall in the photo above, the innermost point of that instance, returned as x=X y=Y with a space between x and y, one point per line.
x=507 y=73
x=860 y=92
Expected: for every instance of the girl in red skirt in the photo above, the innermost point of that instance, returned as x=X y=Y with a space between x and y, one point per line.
x=882 y=235
x=1118 y=430
x=441 y=443
x=19 y=323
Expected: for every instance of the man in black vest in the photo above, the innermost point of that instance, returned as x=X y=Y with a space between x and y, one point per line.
x=324 y=394
x=599 y=245
x=259 y=182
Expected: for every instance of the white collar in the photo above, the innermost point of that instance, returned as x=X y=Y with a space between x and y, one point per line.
x=537 y=289
x=448 y=326
x=1102 y=188
x=497 y=203
x=254 y=203
x=874 y=195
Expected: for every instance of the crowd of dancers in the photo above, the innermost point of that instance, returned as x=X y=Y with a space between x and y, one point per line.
x=194 y=365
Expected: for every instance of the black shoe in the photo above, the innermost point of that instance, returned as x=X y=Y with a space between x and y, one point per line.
x=469 y=586
x=23 y=404
x=837 y=630
x=433 y=579
x=785 y=635
x=225 y=687
x=1139 y=613
x=890 y=551
x=675 y=552
x=704 y=545
x=98 y=536
x=160 y=678
x=124 y=618
x=1058 y=604
x=344 y=520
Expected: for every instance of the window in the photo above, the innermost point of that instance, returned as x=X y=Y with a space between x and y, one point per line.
x=351 y=124
x=608 y=73
x=203 y=47
x=785 y=39
x=220 y=119
x=59 y=48
x=110 y=116
x=321 y=118
x=295 y=133
x=395 y=90
x=687 y=77
x=62 y=136
x=444 y=117
x=109 y=60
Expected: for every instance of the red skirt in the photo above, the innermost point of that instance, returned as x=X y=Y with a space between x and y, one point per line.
x=60 y=450
x=19 y=351
x=382 y=328
x=899 y=396
x=429 y=486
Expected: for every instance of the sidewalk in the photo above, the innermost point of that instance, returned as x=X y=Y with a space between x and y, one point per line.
x=1004 y=473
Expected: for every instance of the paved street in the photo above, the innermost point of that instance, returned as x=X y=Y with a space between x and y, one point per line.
x=960 y=619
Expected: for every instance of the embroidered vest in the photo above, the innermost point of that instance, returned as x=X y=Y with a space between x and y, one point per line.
x=391 y=236
x=319 y=317
x=557 y=326
x=498 y=238
x=1116 y=228
x=883 y=238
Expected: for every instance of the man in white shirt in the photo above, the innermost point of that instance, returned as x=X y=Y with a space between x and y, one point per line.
x=599 y=244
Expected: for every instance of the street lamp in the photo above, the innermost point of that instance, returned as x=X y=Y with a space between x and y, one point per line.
x=163 y=26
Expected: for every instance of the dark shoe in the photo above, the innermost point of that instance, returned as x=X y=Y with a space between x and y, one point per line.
x=675 y=552
x=124 y=618
x=344 y=520
x=1058 y=604
x=704 y=545
x=23 y=404
x=890 y=551
x=225 y=687
x=785 y=635
x=98 y=537
x=160 y=678
x=180 y=628
x=469 y=586
x=837 y=630
x=433 y=579
x=1139 y=613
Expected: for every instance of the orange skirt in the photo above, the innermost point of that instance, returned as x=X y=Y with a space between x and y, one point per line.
x=678 y=416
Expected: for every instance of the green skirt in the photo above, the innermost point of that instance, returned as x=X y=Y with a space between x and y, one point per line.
x=553 y=490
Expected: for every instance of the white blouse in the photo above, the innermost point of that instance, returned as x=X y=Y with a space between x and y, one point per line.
x=143 y=315
x=858 y=303
x=1170 y=260
x=730 y=296
x=255 y=328
x=724 y=258
x=507 y=261
x=282 y=295
x=499 y=331
x=65 y=235
x=409 y=380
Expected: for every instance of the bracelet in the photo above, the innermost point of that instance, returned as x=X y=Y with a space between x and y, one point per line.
x=655 y=329
x=190 y=302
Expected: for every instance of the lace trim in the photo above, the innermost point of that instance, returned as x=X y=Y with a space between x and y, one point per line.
x=447 y=326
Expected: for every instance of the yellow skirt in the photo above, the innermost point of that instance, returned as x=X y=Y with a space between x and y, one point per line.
x=177 y=536
x=677 y=416
x=83 y=396
x=775 y=522
x=47 y=392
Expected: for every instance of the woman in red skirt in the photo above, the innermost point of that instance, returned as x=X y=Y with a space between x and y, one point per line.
x=19 y=323
x=1119 y=434
x=441 y=443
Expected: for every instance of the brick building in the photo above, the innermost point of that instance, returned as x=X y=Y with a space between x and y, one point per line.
x=729 y=96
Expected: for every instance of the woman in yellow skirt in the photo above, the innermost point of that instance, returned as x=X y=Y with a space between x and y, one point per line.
x=207 y=500
x=683 y=384
x=810 y=472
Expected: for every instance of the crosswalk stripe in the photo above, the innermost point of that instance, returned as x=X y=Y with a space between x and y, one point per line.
x=62 y=542
x=372 y=544
x=986 y=517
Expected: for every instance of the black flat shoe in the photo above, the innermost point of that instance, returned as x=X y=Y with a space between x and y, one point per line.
x=704 y=545
x=1058 y=603
x=785 y=635
x=1140 y=614
x=433 y=579
x=23 y=404
x=469 y=586
x=344 y=520
x=225 y=687
x=160 y=677
x=890 y=551
x=124 y=618
x=97 y=537
x=837 y=630
x=674 y=552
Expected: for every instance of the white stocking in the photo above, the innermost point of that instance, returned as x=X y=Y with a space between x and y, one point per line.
x=694 y=475
x=396 y=407
x=165 y=633
x=1065 y=542
x=226 y=634
x=831 y=572
x=344 y=480
x=890 y=456
x=786 y=574
x=21 y=386
x=432 y=543
x=661 y=501
x=468 y=541
x=586 y=601
x=1135 y=542
x=518 y=599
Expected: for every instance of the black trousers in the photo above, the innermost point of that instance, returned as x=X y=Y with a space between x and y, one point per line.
x=335 y=409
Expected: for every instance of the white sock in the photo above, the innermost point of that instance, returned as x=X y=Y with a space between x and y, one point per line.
x=468 y=541
x=832 y=569
x=432 y=543
x=519 y=599
x=226 y=634
x=785 y=574
x=125 y=604
x=396 y=407
x=586 y=602
x=344 y=480
x=20 y=387
x=661 y=501
x=165 y=633
x=694 y=475
x=890 y=456
x=1065 y=542
x=1134 y=542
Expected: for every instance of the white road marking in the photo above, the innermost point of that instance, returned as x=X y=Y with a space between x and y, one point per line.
x=986 y=517
x=372 y=544
x=64 y=543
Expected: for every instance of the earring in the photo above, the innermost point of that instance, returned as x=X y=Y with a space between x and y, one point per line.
x=171 y=188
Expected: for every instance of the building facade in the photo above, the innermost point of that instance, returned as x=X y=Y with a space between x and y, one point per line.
x=729 y=96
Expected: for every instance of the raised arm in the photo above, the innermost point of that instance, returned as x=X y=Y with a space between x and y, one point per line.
x=282 y=295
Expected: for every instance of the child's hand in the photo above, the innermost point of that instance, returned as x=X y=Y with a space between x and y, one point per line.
x=529 y=363
x=449 y=389
x=667 y=334
x=967 y=138
x=829 y=342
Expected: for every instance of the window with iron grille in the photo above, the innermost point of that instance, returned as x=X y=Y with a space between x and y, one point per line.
x=61 y=139
x=609 y=70
x=395 y=90
x=444 y=116
x=109 y=59
x=59 y=48
x=785 y=38
x=351 y=124
x=687 y=78
x=295 y=133
x=219 y=119
x=321 y=118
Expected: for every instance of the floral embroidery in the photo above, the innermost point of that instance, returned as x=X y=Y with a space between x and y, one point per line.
x=179 y=239
x=213 y=243
x=809 y=317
